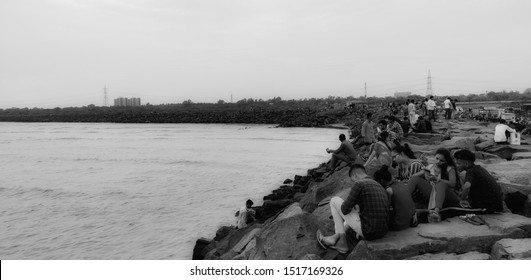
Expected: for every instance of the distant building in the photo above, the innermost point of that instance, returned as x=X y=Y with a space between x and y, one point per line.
x=127 y=102
x=403 y=94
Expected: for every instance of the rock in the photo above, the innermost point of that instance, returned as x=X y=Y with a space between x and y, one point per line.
x=288 y=181
x=507 y=151
x=511 y=249
x=485 y=144
x=271 y=208
x=521 y=155
x=515 y=201
x=200 y=245
x=223 y=231
x=516 y=171
x=453 y=256
x=468 y=143
x=292 y=238
x=288 y=212
x=450 y=236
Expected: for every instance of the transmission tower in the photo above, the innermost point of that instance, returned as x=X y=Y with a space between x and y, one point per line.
x=429 y=90
x=105 y=100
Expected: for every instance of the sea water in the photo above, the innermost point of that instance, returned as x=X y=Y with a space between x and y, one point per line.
x=138 y=191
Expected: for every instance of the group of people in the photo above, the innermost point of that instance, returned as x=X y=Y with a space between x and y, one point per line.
x=391 y=183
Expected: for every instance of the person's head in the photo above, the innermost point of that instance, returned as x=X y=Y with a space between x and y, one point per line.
x=390 y=119
x=249 y=203
x=443 y=158
x=464 y=159
x=357 y=171
x=342 y=137
x=502 y=121
x=383 y=136
x=369 y=116
x=425 y=99
x=401 y=154
x=383 y=176
x=431 y=96
x=382 y=124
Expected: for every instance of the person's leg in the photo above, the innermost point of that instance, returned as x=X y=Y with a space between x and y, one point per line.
x=336 y=158
x=352 y=219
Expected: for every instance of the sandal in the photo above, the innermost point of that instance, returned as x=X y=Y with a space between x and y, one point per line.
x=320 y=236
x=433 y=216
x=472 y=219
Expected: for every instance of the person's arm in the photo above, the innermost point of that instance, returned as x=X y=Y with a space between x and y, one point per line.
x=510 y=129
x=341 y=148
x=452 y=178
x=351 y=200
x=364 y=129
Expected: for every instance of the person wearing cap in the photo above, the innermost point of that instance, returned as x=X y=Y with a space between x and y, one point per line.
x=245 y=215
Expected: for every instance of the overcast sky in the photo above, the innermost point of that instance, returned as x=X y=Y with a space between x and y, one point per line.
x=60 y=53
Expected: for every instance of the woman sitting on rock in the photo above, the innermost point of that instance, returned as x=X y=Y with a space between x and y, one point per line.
x=408 y=164
x=402 y=214
x=379 y=155
x=440 y=182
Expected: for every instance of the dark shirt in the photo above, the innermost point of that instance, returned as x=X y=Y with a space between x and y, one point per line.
x=374 y=207
x=485 y=192
x=403 y=206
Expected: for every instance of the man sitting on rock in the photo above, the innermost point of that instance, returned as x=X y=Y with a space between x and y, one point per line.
x=245 y=215
x=366 y=211
x=502 y=133
x=480 y=189
x=345 y=153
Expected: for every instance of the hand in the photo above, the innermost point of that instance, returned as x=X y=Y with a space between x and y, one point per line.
x=464 y=203
x=327 y=150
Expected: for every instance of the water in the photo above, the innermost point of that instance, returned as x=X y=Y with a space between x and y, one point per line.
x=138 y=191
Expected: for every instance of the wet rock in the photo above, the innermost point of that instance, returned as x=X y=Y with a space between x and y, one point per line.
x=511 y=249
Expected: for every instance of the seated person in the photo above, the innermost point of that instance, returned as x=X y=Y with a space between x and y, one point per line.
x=402 y=214
x=366 y=211
x=245 y=215
x=439 y=184
x=406 y=125
x=502 y=133
x=422 y=125
x=345 y=153
x=480 y=189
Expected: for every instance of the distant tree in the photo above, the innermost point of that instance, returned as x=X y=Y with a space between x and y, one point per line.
x=221 y=102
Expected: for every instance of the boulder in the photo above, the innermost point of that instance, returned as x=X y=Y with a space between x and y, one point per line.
x=516 y=171
x=507 y=151
x=467 y=143
x=449 y=236
x=511 y=249
x=453 y=256
x=521 y=155
x=291 y=238
x=485 y=144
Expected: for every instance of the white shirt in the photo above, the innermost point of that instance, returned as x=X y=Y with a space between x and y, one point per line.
x=447 y=104
x=431 y=105
x=411 y=108
x=499 y=133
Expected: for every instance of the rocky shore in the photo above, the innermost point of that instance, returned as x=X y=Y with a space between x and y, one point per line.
x=290 y=216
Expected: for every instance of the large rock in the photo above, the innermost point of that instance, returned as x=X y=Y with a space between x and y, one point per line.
x=450 y=236
x=291 y=238
x=507 y=151
x=453 y=256
x=511 y=249
x=516 y=171
x=467 y=143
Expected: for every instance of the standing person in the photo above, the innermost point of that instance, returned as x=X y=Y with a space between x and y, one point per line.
x=431 y=106
x=246 y=215
x=366 y=211
x=425 y=107
x=480 y=189
x=403 y=214
x=440 y=183
x=411 y=108
x=447 y=108
x=345 y=153
x=502 y=133
x=454 y=109
x=367 y=131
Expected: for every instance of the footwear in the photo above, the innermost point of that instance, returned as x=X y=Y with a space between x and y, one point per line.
x=414 y=221
x=433 y=216
x=473 y=219
x=320 y=237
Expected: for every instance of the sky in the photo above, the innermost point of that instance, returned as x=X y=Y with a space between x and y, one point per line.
x=62 y=53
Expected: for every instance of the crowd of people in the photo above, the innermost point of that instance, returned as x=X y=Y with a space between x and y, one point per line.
x=390 y=183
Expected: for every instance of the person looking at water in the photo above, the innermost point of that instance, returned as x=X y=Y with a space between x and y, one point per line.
x=365 y=210
x=502 y=133
x=480 y=189
x=345 y=153
x=402 y=213
x=367 y=131
x=245 y=215
x=440 y=182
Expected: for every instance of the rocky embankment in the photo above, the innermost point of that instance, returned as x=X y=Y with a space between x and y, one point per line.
x=290 y=216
